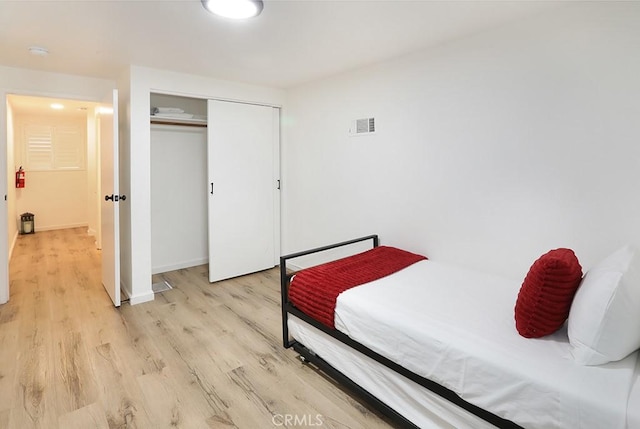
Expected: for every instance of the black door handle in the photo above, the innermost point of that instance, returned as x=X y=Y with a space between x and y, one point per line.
x=211 y=188
x=115 y=198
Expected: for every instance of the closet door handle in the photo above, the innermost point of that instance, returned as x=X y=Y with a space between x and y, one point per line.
x=211 y=188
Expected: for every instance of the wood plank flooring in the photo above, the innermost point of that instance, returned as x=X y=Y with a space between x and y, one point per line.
x=199 y=356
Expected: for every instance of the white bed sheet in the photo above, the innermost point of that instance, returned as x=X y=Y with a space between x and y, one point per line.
x=633 y=406
x=457 y=328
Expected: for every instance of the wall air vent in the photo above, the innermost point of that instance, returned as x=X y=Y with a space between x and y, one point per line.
x=363 y=127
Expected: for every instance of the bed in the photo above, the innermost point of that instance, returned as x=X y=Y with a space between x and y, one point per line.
x=433 y=345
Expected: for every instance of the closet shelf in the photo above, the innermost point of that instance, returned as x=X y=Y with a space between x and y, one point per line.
x=177 y=121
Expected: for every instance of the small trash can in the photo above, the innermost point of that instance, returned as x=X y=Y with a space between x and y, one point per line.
x=27 y=223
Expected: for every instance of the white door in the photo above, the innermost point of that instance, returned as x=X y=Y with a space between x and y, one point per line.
x=242 y=186
x=110 y=213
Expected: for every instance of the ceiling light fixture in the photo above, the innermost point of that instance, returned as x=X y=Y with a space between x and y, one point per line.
x=57 y=106
x=234 y=9
x=39 y=51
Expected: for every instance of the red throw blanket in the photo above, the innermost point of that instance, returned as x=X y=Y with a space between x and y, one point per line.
x=315 y=290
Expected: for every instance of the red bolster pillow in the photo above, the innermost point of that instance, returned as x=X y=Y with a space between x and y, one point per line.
x=546 y=294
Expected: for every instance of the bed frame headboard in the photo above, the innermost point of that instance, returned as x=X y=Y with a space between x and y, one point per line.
x=285 y=277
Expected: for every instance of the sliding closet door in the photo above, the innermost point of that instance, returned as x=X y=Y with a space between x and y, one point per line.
x=242 y=186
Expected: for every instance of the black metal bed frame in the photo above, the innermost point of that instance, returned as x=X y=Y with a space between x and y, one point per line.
x=311 y=356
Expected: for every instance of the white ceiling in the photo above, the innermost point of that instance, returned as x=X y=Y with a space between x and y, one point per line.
x=291 y=42
x=28 y=105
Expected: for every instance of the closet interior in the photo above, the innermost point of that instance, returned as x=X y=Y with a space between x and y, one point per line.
x=179 y=221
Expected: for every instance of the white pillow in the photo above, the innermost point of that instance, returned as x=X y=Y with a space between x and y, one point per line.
x=604 y=321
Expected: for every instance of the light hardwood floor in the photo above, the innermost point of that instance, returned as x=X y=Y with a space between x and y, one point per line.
x=199 y=356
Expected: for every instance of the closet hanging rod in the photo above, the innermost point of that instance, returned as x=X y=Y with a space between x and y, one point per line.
x=180 y=123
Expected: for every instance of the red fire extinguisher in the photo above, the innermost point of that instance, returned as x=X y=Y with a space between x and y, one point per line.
x=20 y=178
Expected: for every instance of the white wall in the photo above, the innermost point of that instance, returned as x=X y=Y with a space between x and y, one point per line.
x=57 y=198
x=135 y=88
x=124 y=149
x=179 y=220
x=31 y=82
x=490 y=150
x=93 y=175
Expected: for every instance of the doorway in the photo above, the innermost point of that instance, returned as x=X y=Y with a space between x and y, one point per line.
x=56 y=142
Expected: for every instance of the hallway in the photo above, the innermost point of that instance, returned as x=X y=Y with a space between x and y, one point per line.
x=53 y=317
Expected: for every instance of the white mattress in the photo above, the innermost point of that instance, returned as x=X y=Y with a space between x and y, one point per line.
x=456 y=327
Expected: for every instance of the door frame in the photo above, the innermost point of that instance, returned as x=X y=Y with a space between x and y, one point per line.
x=4 y=228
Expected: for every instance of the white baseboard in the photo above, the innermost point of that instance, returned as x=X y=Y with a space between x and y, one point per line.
x=55 y=227
x=13 y=244
x=140 y=298
x=134 y=299
x=178 y=266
